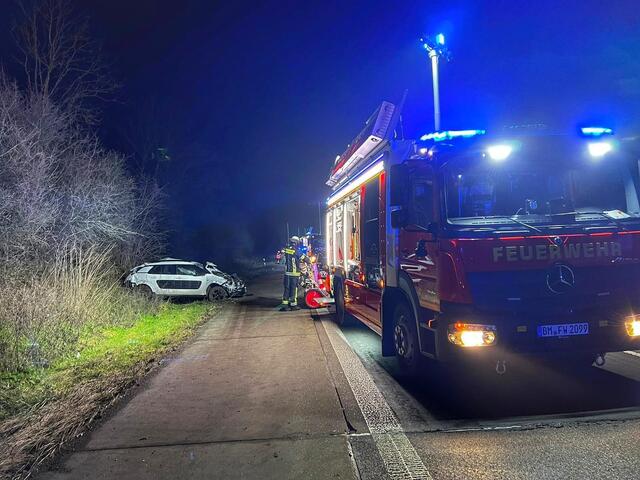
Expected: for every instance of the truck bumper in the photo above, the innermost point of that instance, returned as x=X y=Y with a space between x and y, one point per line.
x=518 y=336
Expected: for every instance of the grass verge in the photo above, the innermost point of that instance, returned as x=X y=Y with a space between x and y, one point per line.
x=41 y=410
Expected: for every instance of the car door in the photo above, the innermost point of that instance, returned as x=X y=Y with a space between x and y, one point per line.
x=160 y=279
x=189 y=280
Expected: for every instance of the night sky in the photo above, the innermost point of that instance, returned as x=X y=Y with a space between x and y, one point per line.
x=255 y=99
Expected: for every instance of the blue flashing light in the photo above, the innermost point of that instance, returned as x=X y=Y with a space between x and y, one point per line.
x=596 y=131
x=440 y=39
x=450 y=134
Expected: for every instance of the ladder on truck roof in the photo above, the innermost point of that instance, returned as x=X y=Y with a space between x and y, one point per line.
x=375 y=134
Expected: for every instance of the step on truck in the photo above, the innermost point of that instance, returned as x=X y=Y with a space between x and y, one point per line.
x=474 y=246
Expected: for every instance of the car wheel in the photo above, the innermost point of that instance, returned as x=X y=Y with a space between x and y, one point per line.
x=216 y=293
x=145 y=291
x=405 y=339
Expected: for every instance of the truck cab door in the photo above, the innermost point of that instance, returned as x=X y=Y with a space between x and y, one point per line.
x=418 y=242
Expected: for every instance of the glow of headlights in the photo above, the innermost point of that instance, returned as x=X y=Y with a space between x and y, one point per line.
x=633 y=327
x=499 y=152
x=471 y=338
x=599 y=149
x=472 y=335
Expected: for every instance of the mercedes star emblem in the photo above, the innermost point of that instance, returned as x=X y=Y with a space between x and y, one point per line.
x=560 y=279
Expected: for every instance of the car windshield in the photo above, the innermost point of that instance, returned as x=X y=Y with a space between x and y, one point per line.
x=522 y=190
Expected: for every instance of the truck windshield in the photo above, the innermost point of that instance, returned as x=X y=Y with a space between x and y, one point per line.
x=519 y=190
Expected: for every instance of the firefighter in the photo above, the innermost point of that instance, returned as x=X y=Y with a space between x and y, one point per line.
x=291 y=276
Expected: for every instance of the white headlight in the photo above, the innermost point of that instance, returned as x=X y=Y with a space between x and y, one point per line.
x=499 y=152
x=472 y=335
x=599 y=149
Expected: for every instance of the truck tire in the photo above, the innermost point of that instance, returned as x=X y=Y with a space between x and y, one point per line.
x=342 y=317
x=216 y=293
x=405 y=339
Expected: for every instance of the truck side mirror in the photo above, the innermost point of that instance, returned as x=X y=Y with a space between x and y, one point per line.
x=399 y=186
x=398 y=217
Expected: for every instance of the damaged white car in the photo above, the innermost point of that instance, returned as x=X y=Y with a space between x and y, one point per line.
x=180 y=278
x=235 y=286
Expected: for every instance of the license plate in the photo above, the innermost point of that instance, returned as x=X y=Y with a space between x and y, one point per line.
x=563 y=330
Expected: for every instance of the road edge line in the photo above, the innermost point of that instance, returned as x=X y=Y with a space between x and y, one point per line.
x=396 y=450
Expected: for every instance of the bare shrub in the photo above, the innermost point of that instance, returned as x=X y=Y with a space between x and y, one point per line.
x=44 y=316
x=60 y=190
x=71 y=220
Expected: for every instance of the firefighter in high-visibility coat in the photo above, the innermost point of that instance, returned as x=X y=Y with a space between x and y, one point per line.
x=291 y=276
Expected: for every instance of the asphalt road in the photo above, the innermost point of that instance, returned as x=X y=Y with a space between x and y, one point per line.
x=269 y=395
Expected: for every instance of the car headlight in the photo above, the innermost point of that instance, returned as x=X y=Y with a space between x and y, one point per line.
x=472 y=334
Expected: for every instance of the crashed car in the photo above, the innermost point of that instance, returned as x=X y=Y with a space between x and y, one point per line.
x=235 y=286
x=179 y=278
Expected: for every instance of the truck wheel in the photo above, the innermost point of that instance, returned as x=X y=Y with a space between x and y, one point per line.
x=405 y=339
x=341 y=313
x=216 y=293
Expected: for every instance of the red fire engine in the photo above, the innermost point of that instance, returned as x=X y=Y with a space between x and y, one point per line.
x=468 y=245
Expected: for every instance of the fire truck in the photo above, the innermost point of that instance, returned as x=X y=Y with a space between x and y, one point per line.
x=479 y=246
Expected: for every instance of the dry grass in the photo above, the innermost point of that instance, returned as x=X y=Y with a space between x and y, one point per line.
x=71 y=341
x=37 y=436
x=43 y=315
x=79 y=389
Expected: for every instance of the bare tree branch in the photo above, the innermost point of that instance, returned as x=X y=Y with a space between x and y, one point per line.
x=60 y=189
x=61 y=61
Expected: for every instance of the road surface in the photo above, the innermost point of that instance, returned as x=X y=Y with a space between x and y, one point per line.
x=260 y=394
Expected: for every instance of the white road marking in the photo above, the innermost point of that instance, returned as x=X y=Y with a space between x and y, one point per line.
x=483 y=429
x=400 y=458
x=629 y=352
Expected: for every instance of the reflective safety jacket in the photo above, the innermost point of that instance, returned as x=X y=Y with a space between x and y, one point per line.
x=291 y=262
